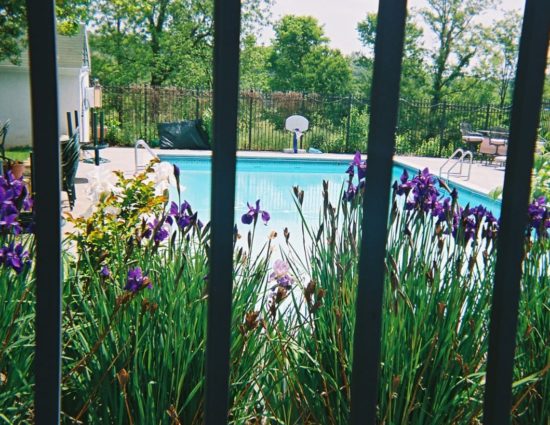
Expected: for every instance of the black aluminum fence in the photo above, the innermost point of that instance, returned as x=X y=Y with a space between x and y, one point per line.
x=337 y=124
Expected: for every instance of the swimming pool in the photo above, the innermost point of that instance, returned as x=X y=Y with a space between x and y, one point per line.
x=271 y=181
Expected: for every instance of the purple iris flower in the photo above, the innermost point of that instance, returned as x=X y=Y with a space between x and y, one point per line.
x=404 y=176
x=280 y=275
x=442 y=210
x=253 y=212
x=9 y=222
x=469 y=228
x=350 y=193
x=539 y=217
x=13 y=199
x=148 y=232
x=28 y=204
x=285 y=281
x=490 y=231
x=136 y=280
x=360 y=165
x=181 y=215
x=174 y=210
x=425 y=196
x=476 y=218
x=160 y=234
x=105 y=272
x=422 y=195
x=405 y=187
x=15 y=257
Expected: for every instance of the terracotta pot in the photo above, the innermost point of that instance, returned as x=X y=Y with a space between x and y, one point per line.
x=18 y=169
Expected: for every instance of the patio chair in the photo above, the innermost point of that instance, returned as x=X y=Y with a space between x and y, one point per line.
x=3 y=133
x=468 y=134
x=70 y=155
x=470 y=137
x=498 y=135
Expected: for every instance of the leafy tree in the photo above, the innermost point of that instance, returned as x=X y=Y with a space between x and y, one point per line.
x=13 y=27
x=326 y=71
x=474 y=88
x=501 y=43
x=302 y=61
x=361 y=71
x=13 y=24
x=451 y=21
x=254 y=62
x=167 y=41
x=414 y=76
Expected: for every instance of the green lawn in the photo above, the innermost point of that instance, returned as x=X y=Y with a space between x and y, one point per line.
x=18 y=153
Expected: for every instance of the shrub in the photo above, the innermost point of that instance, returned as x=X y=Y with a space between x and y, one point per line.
x=540 y=185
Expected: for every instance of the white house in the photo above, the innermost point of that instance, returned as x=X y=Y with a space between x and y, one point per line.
x=73 y=70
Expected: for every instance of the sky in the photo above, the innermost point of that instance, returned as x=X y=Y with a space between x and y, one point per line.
x=340 y=17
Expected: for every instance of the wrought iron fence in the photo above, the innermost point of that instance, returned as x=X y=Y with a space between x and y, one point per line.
x=337 y=124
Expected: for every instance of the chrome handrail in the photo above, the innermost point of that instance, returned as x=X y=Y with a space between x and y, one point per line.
x=459 y=156
x=144 y=145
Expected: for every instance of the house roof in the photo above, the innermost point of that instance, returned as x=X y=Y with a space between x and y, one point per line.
x=72 y=52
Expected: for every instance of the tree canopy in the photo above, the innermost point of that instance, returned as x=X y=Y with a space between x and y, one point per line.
x=301 y=60
x=414 y=76
x=161 y=41
x=170 y=42
x=457 y=40
x=13 y=24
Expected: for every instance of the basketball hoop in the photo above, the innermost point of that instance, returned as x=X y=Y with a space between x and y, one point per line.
x=297 y=125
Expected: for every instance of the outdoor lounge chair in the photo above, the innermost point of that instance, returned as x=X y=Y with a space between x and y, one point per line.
x=470 y=137
x=70 y=155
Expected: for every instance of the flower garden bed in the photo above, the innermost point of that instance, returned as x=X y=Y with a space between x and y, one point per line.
x=135 y=303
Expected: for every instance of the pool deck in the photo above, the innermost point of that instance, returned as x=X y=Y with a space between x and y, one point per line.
x=483 y=178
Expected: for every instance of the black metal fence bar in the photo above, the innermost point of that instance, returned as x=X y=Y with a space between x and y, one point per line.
x=46 y=170
x=385 y=100
x=226 y=83
x=523 y=133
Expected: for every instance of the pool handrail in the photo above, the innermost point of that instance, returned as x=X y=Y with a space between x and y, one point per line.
x=144 y=145
x=458 y=156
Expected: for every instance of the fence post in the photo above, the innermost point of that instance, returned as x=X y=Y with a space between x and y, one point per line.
x=442 y=127
x=250 y=120
x=302 y=109
x=47 y=209
x=348 y=122
x=145 y=112
x=197 y=105
x=487 y=116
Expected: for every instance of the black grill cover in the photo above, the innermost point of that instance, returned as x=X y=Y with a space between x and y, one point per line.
x=189 y=134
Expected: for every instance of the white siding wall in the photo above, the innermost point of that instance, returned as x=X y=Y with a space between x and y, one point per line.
x=15 y=102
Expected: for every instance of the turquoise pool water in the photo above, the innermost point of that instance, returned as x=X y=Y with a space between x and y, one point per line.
x=271 y=181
